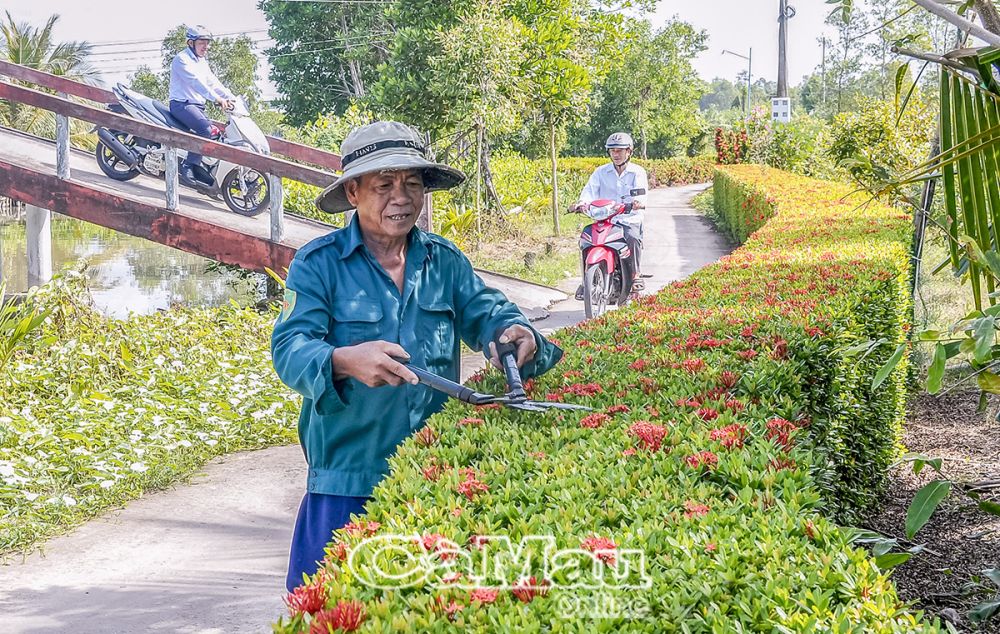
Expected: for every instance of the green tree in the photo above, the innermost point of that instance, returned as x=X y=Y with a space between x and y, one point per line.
x=21 y=43
x=478 y=63
x=846 y=63
x=572 y=45
x=414 y=84
x=326 y=54
x=454 y=71
x=720 y=95
x=560 y=83
x=654 y=93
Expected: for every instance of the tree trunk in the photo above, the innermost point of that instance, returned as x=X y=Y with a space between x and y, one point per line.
x=974 y=29
x=491 y=190
x=425 y=221
x=479 y=181
x=555 y=184
x=989 y=15
x=357 y=83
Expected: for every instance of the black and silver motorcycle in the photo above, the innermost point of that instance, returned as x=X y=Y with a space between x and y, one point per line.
x=123 y=156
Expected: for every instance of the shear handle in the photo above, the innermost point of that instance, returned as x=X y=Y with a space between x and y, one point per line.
x=452 y=389
x=508 y=359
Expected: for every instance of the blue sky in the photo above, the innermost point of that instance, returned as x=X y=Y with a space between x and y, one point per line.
x=737 y=25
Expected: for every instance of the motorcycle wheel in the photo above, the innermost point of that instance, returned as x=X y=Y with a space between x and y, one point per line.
x=595 y=290
x=112 y=166
x=619 y=294
x=250 y=201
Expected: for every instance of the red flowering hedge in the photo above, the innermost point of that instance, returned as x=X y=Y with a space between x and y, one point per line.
x=730 y=422
x=731 y=146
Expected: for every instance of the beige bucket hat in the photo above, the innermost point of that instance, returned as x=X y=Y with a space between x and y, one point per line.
x=379 y=146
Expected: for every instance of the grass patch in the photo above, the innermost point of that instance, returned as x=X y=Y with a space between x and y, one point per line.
x=704 y=202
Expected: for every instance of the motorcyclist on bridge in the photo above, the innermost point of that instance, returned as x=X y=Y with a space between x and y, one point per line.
x=615 y=181
x=192 y=84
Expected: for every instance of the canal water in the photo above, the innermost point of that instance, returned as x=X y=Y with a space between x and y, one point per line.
x=127 y=274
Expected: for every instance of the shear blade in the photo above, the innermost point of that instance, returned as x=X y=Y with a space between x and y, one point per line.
x=540 y=406
x=526 y=406
x=566 y=406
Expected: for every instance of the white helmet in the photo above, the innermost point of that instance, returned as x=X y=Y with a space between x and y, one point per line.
x=620 y=140
x=198 y=32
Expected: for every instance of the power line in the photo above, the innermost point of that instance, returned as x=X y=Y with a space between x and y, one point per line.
x=159 y=49
x=345 y=41
x=142 y=56
x=160 y=39
x=346 y=1
x=144 y=53
x=151 y=59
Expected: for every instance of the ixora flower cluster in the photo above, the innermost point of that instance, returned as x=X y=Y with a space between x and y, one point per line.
x=732 y=427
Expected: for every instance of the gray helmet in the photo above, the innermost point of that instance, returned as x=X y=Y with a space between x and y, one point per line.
x=198 y=32
x=619 y=140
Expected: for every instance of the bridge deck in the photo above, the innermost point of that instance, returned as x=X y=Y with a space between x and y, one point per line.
x=200 y=225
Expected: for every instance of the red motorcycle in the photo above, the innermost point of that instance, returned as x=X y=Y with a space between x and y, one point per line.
x=608 y=268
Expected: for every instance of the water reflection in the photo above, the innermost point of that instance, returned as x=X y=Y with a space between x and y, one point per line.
x=126 y=274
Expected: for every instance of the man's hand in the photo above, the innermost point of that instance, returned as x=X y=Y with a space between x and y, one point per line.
x=226 y=104
x=577 y=208
x=523 y=340
x=638 y=204
x=372 y=363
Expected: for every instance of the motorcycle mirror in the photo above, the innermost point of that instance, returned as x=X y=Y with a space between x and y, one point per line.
x=639 y=191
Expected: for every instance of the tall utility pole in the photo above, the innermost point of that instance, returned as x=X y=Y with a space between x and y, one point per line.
x=782 y=41
x=781 y=105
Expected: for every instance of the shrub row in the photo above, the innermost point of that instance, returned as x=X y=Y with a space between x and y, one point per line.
x=730 y=425
x=527 y=183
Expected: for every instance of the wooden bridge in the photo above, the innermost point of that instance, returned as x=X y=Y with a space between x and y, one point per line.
x=52 y=176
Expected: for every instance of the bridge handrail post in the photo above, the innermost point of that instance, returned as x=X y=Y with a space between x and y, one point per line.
x=277 y=207
x=173 y=201
x=62 y=144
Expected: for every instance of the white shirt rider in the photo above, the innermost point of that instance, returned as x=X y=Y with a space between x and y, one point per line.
x=192 y=80
x=615 y=181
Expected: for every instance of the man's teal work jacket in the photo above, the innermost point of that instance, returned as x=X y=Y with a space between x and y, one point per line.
x=339 y=295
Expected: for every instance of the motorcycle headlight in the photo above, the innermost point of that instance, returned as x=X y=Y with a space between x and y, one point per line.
x=600 y=213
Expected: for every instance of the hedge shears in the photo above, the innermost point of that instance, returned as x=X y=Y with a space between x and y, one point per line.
x=515 y=397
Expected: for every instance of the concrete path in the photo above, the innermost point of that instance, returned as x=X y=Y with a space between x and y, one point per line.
x=209 y=557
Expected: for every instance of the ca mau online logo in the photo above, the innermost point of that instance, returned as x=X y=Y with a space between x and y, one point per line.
x=393 y=562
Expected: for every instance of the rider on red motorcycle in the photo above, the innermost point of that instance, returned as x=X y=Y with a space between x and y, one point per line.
x=614 y=181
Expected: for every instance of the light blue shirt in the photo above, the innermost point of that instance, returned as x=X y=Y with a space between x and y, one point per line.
x=606 y=182
x=338 y=294
x=192 y=80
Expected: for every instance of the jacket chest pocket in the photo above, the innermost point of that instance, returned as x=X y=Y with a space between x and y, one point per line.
x=436 y=331
x=356 y=321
